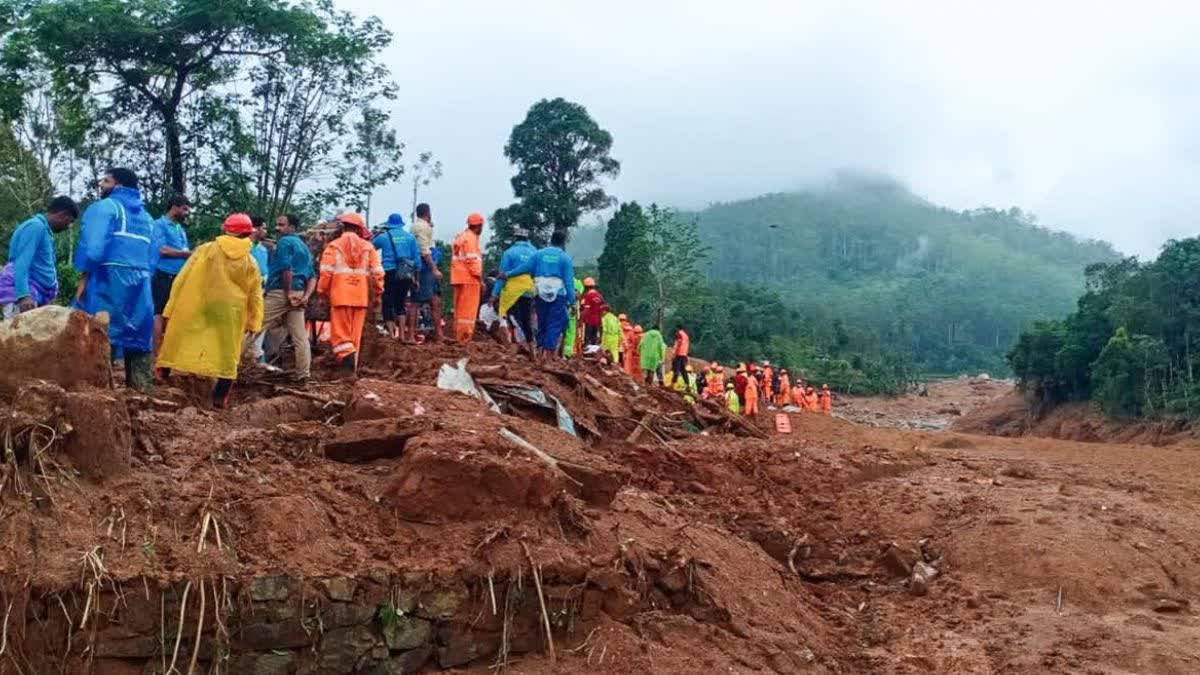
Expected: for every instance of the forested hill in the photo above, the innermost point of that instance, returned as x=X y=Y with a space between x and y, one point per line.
x=863 y=259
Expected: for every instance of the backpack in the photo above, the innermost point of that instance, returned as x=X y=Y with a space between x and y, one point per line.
x=406 y=269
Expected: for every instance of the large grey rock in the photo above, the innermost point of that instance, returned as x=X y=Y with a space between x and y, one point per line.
x=56 y=344
x=406 y=632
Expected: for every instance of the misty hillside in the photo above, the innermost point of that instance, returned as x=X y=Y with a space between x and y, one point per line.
x=866 y=256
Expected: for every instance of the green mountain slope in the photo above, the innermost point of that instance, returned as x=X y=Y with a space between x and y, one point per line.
x=865 y=260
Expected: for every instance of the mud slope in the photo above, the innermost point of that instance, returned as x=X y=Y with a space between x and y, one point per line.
x=388 y=526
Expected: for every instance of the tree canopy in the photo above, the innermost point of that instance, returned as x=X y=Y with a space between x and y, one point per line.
x=561 y=154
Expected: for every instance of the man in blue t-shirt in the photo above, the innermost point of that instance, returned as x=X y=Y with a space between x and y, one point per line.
x=290 y=283
x=170 y=252
x=399 y=252
x=30 y=279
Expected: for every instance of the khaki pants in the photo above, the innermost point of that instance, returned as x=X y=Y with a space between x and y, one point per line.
x=279 y=319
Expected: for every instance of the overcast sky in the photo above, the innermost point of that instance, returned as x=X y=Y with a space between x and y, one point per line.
x=1087 y=114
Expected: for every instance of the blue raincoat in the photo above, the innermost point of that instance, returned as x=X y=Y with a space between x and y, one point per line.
x=115 y=252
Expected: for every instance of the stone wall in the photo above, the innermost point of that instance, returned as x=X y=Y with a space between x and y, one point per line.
x=381 y=624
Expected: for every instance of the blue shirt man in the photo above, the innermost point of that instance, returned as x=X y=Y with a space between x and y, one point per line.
x=114 y=252
x=169 y=249
x=291 y=255
x=395 y=244
x=553 y=273
x=30 y=279
x=514 y=256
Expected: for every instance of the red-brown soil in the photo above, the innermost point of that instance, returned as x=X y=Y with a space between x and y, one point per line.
x=710 y=552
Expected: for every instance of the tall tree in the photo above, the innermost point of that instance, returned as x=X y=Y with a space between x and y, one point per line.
x=156 y=54
x=624 y=233
x=561 y=154
x=372 y=160
x=666 y=264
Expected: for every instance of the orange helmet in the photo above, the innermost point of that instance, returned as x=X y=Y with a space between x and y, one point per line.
x=589 y=283
x=475 y=219
x=638 y=329
x=238 y=223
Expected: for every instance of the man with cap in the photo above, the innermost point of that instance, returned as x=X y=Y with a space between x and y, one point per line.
x=114 y=259
x=466 y=276
x=216 y=300
x=826 y=398
x=400 y=254
x=513 y=296
x=590 y=313
x=347 y=264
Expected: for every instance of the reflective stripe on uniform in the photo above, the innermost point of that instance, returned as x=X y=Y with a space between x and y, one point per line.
x=343 y=347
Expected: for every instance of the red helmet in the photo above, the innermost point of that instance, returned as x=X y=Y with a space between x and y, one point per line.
x=238 y=223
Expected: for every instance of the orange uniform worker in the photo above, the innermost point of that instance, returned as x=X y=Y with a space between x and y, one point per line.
x=785 y=389
x=466 y=276
x=633 y=353
x=798 y=394
x=826 y=397
x=751 y=407
x=768 y=380
x=348 y=264
x=716 y=380
x=626 y=335
x=810 y=400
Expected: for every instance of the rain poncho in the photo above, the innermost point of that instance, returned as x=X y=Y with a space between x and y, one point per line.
x=30 y=270
x=215 y=300
x=652 y=350
x=610 y=339
x=732 y=402
x=511 y=289
x=572 y=324
x=114 y=251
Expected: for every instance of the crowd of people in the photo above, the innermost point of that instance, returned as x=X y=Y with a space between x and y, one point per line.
x=244 y=296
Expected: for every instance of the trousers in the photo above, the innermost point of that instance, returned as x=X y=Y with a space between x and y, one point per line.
x=345 y=330
x=466 y=311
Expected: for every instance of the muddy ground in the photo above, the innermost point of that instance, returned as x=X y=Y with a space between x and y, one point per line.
x=838 y=548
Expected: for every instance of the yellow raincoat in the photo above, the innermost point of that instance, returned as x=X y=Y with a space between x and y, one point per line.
x=513 y=289
x=215 y=300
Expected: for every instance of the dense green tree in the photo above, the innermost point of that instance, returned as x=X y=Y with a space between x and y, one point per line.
x=156 y=54
x=666 y=264
x=372 y=160
x=561 y=154
x=624 y=234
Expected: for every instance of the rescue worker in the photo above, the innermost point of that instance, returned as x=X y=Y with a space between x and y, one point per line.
x=589 y=312
x=260 y=253
x=399 y=253
x=291 y=281
x=572 y=341
x=170 y=250
x=611 y=335
x=114 y=259
x=731 y=400
x=739 y=382
x=513 y=297
x=216 y=300
x=679 y=351
x=716 y=380
x=811 y=401
x=785 y=388
x=347 y=264
x=428 y=274
x=553 y=272
x=752 y=389
x=652 y=350
x=826 y=400
x=764 y=385
x=466 y=276
x=686 y=385
x=633 y=353
x=626 y=336
x=798 y=394
x=30 y=278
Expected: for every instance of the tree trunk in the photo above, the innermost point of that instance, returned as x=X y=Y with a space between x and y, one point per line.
x=174 y=150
